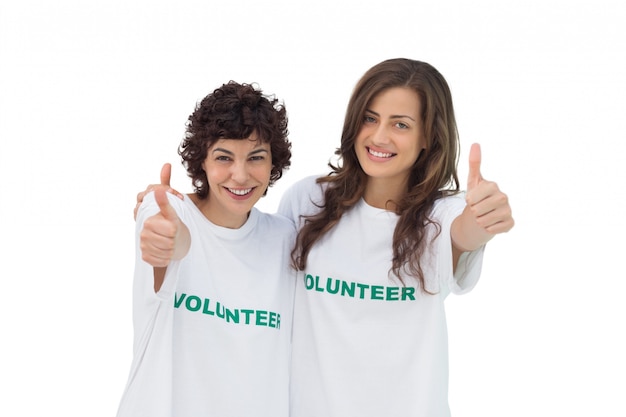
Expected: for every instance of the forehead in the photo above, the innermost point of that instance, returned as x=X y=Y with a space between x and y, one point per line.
x=396 y=101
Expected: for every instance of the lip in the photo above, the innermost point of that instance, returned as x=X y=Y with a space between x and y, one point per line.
x=239 y=197
x=379 y=155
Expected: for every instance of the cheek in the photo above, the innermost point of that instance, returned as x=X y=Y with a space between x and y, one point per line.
x=262 y=172
x=361 y=134
x=214 y=173
x=412 y=144
x=359 y=145
x=361 y=141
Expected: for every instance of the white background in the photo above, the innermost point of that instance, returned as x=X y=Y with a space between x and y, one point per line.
x=94 y=97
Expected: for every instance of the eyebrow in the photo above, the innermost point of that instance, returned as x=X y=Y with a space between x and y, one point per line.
x=393 y=116
x=226 y=151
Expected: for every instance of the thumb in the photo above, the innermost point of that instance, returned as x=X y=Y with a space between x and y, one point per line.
x=474 y=176
x=164 y=204
x=166 y=174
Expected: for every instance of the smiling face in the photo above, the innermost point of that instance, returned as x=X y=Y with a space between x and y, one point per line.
x=390 y=140
x=238 y=173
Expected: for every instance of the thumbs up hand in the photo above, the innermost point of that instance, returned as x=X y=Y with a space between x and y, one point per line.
x=487 y=212
x=488 y=205
x=164 y=236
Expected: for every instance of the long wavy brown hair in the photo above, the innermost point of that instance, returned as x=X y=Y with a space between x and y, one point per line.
x=432 y=176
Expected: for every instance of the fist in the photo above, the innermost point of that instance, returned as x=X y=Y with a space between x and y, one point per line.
x=158 y=236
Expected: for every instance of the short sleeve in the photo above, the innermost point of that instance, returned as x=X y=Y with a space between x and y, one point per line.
x=469 y=267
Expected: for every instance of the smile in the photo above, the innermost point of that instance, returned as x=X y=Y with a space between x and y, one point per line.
x=239 y=191
x=380 y=154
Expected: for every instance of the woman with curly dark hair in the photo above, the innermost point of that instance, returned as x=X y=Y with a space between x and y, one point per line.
x=213 y=287
x=383 y=239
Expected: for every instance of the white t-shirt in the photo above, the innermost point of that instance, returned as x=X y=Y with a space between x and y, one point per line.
x=364 y=344
x=215 y=340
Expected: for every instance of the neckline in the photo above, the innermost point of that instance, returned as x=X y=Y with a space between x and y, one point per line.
x=222 y=231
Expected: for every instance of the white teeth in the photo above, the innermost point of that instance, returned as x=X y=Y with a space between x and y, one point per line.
x=239 y=191
x=379 y=154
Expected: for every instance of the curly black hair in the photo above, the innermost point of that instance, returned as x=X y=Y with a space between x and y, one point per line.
x=234 y=111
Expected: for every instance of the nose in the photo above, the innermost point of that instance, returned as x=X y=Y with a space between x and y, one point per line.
x=239 y=172
x=381 y=135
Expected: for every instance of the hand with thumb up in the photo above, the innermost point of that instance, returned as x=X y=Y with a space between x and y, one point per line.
x=487 y=212
x=164 y=236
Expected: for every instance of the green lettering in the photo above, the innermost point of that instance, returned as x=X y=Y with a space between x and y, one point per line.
x=255 y=317
x=247 y=313
x=317 y=284
x=196 y=301
x=206 y=310
x=272 y=322
x=408 y=292
x=377 y=292
x=362 y=287
x=217 y=310
x=308 y=281
x=261 y=318
x=329 y=288
x=392 y=293
x=347 y=288
x=232 y=315
x=179 y=301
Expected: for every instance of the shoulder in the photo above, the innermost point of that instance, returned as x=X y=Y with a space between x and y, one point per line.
x=273 y=229
x=185 y=207
x=274 y=222
x=302 y=198
x=307 y=189
x=305 y=185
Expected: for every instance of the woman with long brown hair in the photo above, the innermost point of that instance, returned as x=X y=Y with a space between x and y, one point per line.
x=383 y=239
